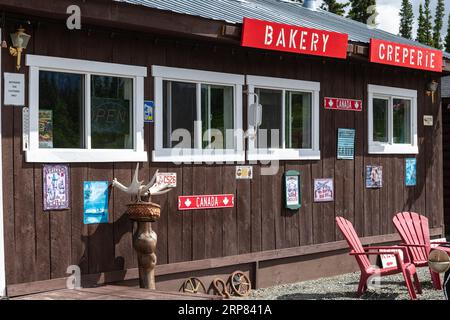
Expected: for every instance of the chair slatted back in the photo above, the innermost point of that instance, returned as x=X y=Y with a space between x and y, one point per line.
x=353 y=241
x=414 y=229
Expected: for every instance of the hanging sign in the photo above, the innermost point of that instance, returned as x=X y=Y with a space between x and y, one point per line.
x=389 y=260
x=95 y=202
x=343 y=104
x=149 y=108
x=346 y=144
x=56 y=187
x=374 y=177
x=292 y=190
x=217 y=201
x=401 y=55
x=168 y=179
x=410 y=172
x=282 y=37
x=14 y=89
x=323 y=190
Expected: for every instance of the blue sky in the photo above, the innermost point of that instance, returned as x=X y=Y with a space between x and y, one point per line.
x=388 y=10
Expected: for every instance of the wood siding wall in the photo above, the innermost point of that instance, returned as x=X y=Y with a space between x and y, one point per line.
x=40 y=245
x=446 y=160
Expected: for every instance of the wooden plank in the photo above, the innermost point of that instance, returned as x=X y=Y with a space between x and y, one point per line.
x=175 y=219
x=229 y=224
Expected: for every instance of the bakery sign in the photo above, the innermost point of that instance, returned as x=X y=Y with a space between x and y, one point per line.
x=402 y=55
x=218 y=201
x=281 y=37
x=343 y=104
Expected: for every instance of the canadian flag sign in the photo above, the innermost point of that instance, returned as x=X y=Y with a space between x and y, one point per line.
x=343 y=104
x=217 y=201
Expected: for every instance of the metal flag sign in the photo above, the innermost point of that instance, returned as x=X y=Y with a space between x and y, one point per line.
x=282 y=37
x=218 y=201
x=343 y=104
x=401 y=55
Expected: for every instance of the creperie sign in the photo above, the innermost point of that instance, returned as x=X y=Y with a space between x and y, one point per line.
x=407 y=56
x=281 y=37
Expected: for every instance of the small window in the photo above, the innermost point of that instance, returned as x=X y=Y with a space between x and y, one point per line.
x=290 y=119
x=392 y=120
x=200 y=116
x=80 y=114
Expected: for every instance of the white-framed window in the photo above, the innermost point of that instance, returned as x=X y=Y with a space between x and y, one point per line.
x=392 y=117
x=290 y=119
x=198 y=116
x=85 y=111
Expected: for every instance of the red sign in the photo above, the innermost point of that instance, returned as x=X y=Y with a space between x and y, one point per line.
x=206 y=202
x=401 y=55
x=343 y=104
x=282 y=37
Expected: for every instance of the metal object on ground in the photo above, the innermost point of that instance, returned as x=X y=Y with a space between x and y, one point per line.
x=240 y=284
x=439 y=261
x=193 y=285
x=221 y=288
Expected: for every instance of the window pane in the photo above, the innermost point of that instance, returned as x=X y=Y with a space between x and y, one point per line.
x=271 y=101
x=61 y=108
x=298 y=120
x=402 y=121
x=180 y=112
x=217 y=117
x=111 y=113
x=380 y=120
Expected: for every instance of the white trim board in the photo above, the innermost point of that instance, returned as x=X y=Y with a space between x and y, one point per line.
x=2 y=234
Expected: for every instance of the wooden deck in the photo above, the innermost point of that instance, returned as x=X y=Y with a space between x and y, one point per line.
x=112 y=292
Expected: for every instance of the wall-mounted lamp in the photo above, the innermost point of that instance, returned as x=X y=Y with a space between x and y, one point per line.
x=432 y=88
x=19 y=43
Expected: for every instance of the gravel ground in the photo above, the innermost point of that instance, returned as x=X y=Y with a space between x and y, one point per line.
x=344 y=288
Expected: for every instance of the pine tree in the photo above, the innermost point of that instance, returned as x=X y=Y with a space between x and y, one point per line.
x=447 y=38
x=407 y=19
x=334 y=7
x=428 y=24
x=438 y=24
x=359 y=8
x=421 y=32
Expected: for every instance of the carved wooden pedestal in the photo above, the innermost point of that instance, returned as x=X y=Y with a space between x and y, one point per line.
x=144 y=240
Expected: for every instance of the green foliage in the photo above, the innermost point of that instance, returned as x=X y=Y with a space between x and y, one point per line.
x=334 y=6
x=407 y=19
x=447 y=38
x=438 y=24
x=359 y=10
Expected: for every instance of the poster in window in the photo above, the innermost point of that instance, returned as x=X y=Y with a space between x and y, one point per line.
x=410 y=174
x=95 y=202
x=56 y=187
x=346 y=144
x=323 y=190
x=374 y=177
x=45 y=129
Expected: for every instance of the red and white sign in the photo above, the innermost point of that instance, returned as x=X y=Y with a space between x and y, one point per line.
x=407 y=56
x=389 y=260
x=168 y=179
x=343 y=104
x=282 y=37
x=217 y=201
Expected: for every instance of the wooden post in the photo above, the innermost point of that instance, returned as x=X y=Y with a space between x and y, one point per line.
x=144 y=242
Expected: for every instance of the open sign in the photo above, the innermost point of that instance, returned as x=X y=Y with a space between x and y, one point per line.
x=168 y=179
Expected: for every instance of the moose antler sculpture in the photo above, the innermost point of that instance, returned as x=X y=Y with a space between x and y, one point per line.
x=139 y=190
x=144 y=213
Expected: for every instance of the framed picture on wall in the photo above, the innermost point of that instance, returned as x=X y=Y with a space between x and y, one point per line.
x=56 y=187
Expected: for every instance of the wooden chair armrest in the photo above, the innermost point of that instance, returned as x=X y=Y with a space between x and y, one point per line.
x=414 y=245
x=399 y=260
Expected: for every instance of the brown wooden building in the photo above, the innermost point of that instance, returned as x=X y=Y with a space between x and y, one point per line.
x=196 y=51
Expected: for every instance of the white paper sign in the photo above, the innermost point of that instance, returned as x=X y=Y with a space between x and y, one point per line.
x=14 y=89
x=389 y=260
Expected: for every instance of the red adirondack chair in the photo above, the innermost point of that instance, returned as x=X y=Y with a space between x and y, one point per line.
x=415 y=233
x=367 y=270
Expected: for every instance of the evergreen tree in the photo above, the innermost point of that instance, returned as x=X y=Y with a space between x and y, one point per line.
x=428 y=24
x=421 y=32
x=438 y=24
x=447 y=38
x=407 y=19
x=359 y=8
x=334 y=7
